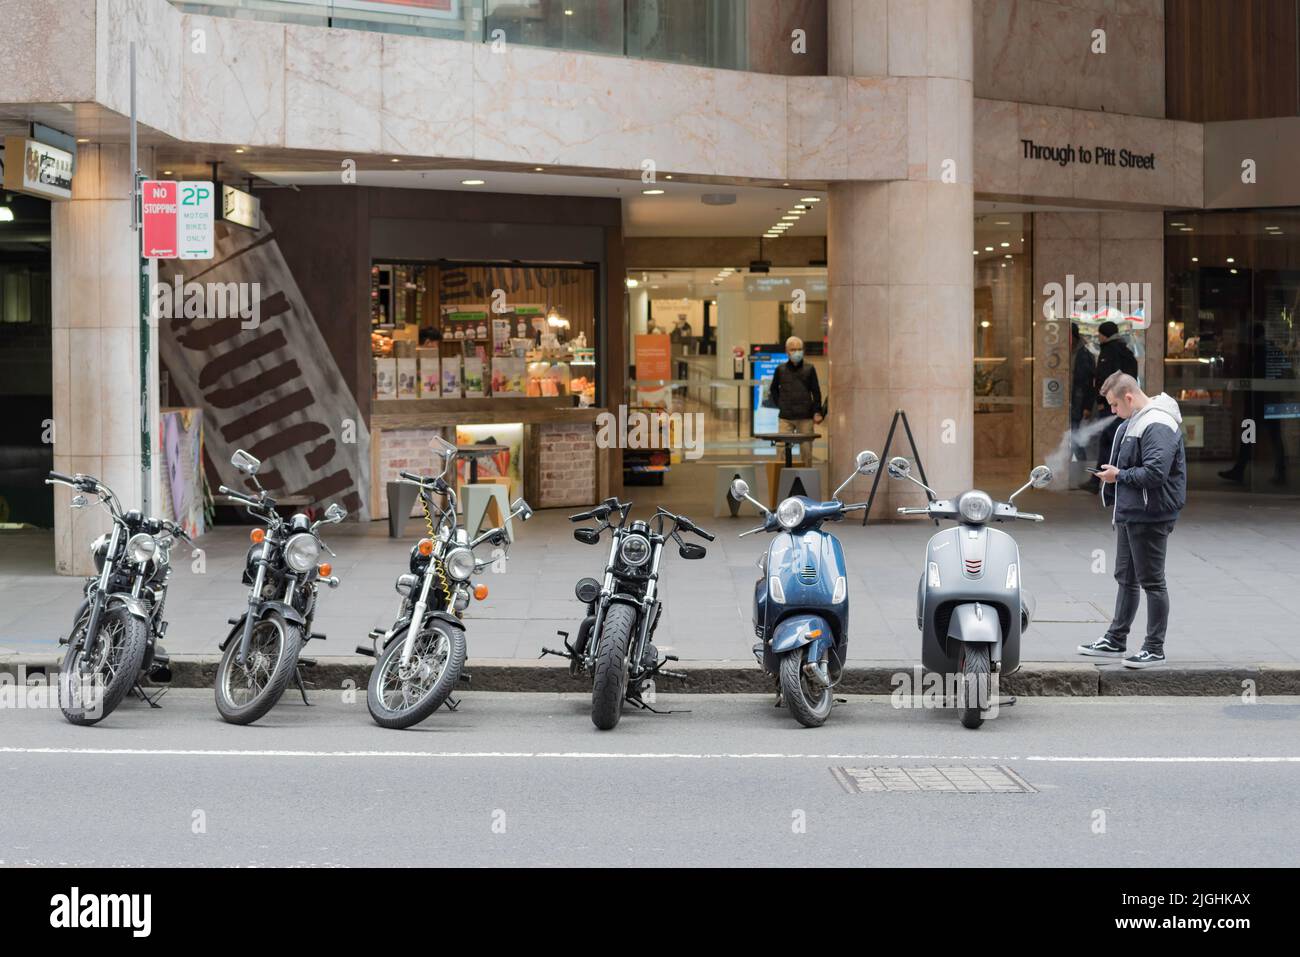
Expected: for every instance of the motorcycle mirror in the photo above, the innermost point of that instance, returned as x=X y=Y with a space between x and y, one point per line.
x=739 y=489
x=588 y=536
x=899 y=467
x=1040 y=477
x=691 y=552
x=79 y=501
x=867 y=462
x=335 y=513
x=245 y=463
x=523 y=508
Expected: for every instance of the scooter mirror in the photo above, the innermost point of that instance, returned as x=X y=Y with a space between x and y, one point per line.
x=867 y=462
x=899 y=467
x=739 y=489
x=335 y=513
x=245 y=463
x=588 y=536
x=690 y=551
x=1040 y=477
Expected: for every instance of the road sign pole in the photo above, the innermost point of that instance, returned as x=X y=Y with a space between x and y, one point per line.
x=146 y=432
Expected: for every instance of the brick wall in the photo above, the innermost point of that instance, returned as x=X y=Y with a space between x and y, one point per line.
x=567 y=459
x=403 y=450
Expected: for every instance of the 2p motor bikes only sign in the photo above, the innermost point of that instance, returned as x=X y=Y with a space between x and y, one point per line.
x=178 y=220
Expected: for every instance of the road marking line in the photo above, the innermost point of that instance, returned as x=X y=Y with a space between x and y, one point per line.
x=659 y=756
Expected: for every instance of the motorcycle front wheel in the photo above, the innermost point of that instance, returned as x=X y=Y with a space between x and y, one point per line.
x=808 y=702
x=247 y=692
x=94 y=680
x=400 y=697
x=973 y=685
x=609 y=686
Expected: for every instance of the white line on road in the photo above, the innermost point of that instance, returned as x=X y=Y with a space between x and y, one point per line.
x=661 y=756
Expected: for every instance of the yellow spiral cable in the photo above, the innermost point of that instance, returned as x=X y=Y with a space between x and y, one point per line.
x=437 y=565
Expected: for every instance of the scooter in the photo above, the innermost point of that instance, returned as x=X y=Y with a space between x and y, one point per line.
x=971 y=605
x=801 y=598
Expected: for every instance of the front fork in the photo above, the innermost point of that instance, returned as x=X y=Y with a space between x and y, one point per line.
x=417 y=614
x=254 y=600
x=91 y=636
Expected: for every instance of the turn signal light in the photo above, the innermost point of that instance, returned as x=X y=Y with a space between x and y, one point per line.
x=324 y=569
x=815 y=633
x=480 y=592
x=257 y=535
x=426 y=547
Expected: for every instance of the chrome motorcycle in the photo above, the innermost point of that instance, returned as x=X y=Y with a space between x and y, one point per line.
x=260 y=654
x=116 y=631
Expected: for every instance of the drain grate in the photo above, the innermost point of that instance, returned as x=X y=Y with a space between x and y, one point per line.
x=955 y=778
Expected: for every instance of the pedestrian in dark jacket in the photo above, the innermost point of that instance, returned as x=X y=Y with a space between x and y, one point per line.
x=1114 y=356
x=1147 y=468
x=1083 y=384
x=797 y=396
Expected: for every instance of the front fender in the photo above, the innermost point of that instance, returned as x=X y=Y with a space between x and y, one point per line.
x=799 y=630
x=976 y=623
x=134 y=606
x=287 y=611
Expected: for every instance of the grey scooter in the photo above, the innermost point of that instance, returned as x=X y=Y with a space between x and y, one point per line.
x=971 y=607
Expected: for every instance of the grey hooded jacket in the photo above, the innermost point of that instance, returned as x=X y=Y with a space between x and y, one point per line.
x=1148 y=451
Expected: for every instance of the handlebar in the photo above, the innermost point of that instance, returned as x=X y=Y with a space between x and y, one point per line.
x=437 y=483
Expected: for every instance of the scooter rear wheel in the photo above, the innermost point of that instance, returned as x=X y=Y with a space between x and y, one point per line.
x=809 y=704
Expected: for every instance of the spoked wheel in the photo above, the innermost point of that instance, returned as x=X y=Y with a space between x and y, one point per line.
x=399 y=696
x=974 y=685
x=808 y=701
x=93 y=681
x=246 y=692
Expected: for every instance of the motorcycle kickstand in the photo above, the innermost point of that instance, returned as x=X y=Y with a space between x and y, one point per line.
x=302 y=690
x=152 y=702
x=453 y=703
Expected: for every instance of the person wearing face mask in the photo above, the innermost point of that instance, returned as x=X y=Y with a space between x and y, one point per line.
x=797 y=396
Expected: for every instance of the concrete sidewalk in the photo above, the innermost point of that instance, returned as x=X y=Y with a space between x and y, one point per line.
x=1234 y=573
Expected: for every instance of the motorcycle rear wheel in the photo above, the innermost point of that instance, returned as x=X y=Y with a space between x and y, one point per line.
x=116 y=659
x=434 y=668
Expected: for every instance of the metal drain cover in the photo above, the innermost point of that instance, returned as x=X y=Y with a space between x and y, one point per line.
x=954 y=778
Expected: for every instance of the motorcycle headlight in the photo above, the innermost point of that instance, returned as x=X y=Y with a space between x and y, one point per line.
x=141 y=548
x=790 y=513
x=975 y=507
x=406 y=584
x=634 y=551
x=301 y=552
x=460 y=563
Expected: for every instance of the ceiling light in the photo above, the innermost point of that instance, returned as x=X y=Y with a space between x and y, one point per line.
x=771 y=235
x=1195 y=259
x=1185 y=229
x=1177 y=224
x=1233 y=271
x=810 y=199
x=652 y=192
x=984 y=324
x=631 y=283
x=538 y=169
x=975 y=251
x=239 y=149
x=1231 y=260
x=1007 y=256
x=988 y=249
x=167 y=172
x=82 y=139
x=6 y=214
x=471 y=182
x=394 y=160
x=788 y=218
x=669 y=176
x=1005 y=245
x=1002 y=222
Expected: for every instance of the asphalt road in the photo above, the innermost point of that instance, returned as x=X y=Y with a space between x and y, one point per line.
x=519 y=779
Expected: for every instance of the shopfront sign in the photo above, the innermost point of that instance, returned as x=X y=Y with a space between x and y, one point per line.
x=653 y=357
x=158 y=219
x=240 y=207
x=1097 y=155
x=196 y=220
x=37 y=168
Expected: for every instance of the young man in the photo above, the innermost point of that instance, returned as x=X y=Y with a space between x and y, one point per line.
x=1147 y=468
x=797 y=396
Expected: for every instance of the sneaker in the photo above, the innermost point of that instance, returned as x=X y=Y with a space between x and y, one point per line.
x=1144 y=659
x=1103 y=648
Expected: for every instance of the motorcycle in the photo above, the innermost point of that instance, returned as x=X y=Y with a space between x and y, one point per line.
x=615 y=642
x=420 y=658
x=261 y=652
x=116 y=631
x=971 y=604
x=801 y=598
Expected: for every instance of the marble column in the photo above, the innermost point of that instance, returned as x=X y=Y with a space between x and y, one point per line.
x=899 y=253
x=96 y=348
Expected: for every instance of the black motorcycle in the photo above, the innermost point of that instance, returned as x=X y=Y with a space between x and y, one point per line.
x=615 y=640
x=260 y=654
x=116 y=631
x=420 y=658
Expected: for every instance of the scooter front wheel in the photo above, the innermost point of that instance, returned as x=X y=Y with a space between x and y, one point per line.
x=807 y=700
x=974 y=685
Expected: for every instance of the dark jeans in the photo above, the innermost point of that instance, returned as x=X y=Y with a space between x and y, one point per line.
x=1140 y=567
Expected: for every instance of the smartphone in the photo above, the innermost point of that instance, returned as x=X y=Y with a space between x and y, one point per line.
x=1092 y=470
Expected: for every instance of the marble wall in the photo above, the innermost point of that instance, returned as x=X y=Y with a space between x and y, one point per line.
x=1042 y=51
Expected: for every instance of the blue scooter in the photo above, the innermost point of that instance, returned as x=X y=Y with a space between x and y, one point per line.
x=801 y=599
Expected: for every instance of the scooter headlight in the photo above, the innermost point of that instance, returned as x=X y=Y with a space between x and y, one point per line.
x=301 y=552
x=141 y=548
x=975 y=507
x=634 y=551
x=790 y=513
x=460 y=563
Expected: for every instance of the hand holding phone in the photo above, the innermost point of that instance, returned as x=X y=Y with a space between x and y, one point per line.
x=1094 y=471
